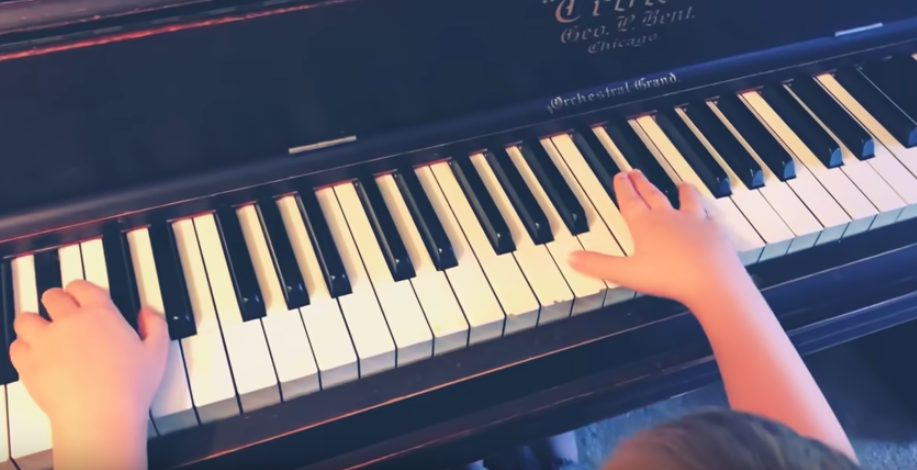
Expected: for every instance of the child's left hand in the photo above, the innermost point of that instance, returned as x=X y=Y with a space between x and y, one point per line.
x=87 y=366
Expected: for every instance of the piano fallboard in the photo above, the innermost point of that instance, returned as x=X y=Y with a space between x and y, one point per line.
x=76 y=218
x=237 y=87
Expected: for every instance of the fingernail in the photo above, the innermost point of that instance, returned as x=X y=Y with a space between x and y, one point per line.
x=575 y=257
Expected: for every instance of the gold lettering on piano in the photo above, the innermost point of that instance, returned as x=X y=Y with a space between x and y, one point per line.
x=571 y=11
x=579 y=99
x=608 y=25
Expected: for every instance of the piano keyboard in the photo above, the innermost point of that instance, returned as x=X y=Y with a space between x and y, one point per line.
x=297 y=293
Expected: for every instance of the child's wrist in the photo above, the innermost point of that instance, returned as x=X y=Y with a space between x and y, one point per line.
x=103 y=442
x=721 y=287
x=99 y=426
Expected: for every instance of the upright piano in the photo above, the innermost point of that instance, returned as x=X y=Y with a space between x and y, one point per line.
x=355 y=215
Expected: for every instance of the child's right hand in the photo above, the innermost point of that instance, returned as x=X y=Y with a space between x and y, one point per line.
x=683 y=255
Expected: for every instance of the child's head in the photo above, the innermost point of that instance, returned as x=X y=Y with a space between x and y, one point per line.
x=725 y=440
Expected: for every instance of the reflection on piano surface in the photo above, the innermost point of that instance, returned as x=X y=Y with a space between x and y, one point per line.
x=384 y=302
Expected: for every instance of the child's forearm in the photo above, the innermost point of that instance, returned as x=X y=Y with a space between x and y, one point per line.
x=115 y=444
x=761 y=369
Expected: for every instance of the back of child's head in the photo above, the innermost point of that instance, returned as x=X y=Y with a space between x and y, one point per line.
x=725 y=440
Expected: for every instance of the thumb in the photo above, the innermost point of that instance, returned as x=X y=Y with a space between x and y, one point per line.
x=602 y=266
x=155 y=335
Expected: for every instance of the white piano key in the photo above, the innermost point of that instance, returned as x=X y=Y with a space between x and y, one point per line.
x=212 y=388
x=478 y=301
x=5 y=462
x=518 y=301
x=765 y=220
x=439 y=303
x=413 y=339
x=861 y=212
x=865 y=177
x=534 y=261
x=368 y=330
x=71 y=263
x=286 y=335
x=782 y=197
x=246 y=346
x=607 y=234
x=172 y=408
x=606 y=208
x=331 y=343
x=591 y=293
x=896 y=163
x=29 y=427
x=746 y=240
x=94 y=268
x=613 y=151
x=829 y=213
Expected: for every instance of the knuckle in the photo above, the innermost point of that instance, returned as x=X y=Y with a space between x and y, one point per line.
x=17 y=353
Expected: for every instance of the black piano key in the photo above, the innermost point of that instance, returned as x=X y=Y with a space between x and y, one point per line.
x=326 y=250
x=694 y=152
x=803 y=124
x=598 y=159
x=834 y=116
x=425 y=219
x=893 y=119
x=288 y=273
x=640 y=157
x=555 y=186
x=896 y=77
x=393 y=249
x=122 y=285
x=765 y=145
x=484 y=207
x=172 y=285
x=521 y=197
x=8 y=373
x=733 y=153
x=47 y=276
x=244 y=280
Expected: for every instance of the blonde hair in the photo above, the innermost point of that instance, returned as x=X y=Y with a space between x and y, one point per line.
x=725 y=440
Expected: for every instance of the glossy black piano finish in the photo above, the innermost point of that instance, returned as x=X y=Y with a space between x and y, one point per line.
x=87 y=105
x=25 y=228
x=194 y=106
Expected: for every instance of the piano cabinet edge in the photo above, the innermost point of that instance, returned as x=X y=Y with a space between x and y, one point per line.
x=546 y=413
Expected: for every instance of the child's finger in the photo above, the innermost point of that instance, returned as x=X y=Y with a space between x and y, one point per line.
x=20 y=352
x=155 y=334
x=690 y=200
x=629 y=201
x=649 y=192
x=27 y=325
x=88 y=294
x=601 y=266
x=58 y=303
